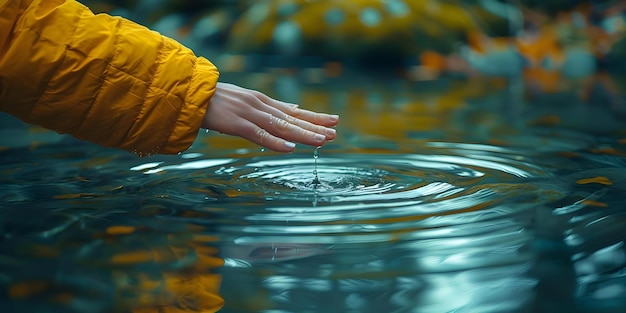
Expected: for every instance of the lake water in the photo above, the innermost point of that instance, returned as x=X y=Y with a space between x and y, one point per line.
x=474 y=195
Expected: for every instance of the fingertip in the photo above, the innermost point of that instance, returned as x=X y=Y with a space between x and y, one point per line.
x=330 y=133
x=285 y=147
x=319 y=138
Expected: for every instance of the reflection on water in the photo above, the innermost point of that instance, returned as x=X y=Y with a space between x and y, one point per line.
x=438 y=199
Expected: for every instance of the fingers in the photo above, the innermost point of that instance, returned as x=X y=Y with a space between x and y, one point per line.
x=293 y=110
x=277 y=134
x=319 y=123
x=292 y=132
x=310 y=116
x=292 y=128
x=270 y=123
x=263 y=138
x=329 y=133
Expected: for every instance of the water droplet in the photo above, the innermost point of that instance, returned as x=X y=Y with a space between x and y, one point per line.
x=262 y=149
x=315 y=199
x=316 y=179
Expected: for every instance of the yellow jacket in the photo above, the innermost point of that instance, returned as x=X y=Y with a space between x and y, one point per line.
x=100 y=78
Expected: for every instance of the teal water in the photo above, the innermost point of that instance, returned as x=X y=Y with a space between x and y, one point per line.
x=442 y=196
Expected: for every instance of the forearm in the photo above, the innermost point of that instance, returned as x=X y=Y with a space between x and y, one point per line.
x=101 y=78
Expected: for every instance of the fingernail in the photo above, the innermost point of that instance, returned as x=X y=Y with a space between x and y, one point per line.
x=319 y=137
x=333 y=118
x=331 y=131
x=290 y=144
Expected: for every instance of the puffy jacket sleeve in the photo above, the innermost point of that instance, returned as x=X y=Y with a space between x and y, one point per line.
x=100 y=78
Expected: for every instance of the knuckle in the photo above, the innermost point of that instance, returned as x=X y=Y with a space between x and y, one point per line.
x=257 y=94
x=248 y=98
x=290 y=119
x=295 y=111
x=261 y=135
x=319 y=119
x=282 y=124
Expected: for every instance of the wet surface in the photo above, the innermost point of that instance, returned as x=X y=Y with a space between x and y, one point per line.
x=463 y=196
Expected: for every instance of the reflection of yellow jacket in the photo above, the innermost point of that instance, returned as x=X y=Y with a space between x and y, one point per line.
x=100 y=78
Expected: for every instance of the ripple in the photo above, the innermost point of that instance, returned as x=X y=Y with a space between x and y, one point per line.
x=449 y=222
x=356 y=177
x=476 y=192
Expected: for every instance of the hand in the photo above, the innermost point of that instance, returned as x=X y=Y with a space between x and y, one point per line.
x=270 y=123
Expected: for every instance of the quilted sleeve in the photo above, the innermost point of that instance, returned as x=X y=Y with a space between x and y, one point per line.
x=100 y=78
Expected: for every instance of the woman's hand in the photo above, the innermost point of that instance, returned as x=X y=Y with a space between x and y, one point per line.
x=270 y=123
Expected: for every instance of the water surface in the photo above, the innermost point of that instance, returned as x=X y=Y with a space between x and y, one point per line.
x=443 y=196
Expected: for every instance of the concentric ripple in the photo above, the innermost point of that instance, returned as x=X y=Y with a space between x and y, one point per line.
x=462 y=191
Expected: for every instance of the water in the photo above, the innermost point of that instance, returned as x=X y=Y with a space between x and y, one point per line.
x=435 y=197
x=316 y=179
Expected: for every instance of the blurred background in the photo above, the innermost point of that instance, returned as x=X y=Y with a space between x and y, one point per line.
x=552 y=44
x=393 y=67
